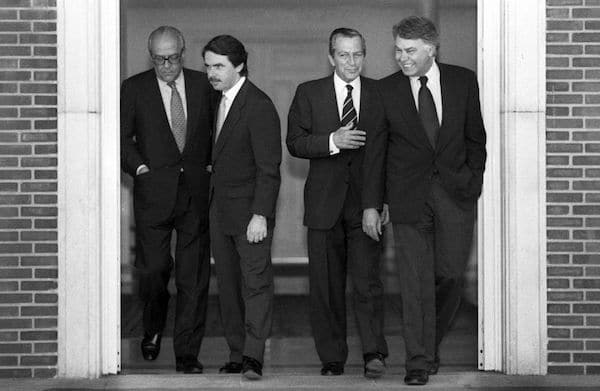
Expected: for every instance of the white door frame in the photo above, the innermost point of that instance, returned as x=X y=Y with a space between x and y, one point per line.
x=511 y=244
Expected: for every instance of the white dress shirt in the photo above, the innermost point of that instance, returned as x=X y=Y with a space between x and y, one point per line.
x=340 y=95
x=433 y=83
x=231 y=93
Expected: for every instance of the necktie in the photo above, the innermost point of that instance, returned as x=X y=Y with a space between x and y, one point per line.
x=178 y=121
x=221 y=115
x=427 y=112
x=348 y=112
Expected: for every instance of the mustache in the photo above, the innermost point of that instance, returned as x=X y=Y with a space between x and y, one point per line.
x=214 y=80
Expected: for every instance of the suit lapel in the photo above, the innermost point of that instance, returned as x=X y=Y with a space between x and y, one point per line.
x=155 y=101
x=408 y=109
x=233 y=116
x=450 y=100
x=193 y=101
x=330 y=103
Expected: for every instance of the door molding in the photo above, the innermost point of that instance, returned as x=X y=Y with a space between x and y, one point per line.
x=511 y=245
x=512 y=220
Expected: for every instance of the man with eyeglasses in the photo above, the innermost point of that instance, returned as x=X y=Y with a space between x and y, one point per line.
x=328 y=123
x=165 y=145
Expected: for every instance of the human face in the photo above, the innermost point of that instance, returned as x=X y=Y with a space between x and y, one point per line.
x=348 y=57
x=221 y=72
x=163 y=46
x=414 y=56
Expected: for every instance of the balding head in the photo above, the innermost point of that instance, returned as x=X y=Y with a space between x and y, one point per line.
x=166 y=32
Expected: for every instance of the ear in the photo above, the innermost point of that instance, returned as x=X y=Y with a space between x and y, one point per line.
x=331 y=61
x=239 y=68
x=431 y=50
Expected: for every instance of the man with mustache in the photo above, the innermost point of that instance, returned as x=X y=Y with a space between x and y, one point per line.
x=328 y=122
x=244 y=188
x=428 y=164
x=165 y=146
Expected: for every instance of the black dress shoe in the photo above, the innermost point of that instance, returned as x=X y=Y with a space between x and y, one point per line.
x=188 y=365
x=251 y=368
x=416 y=377
x=374 y=365
x=231 y=367
x=150 y=346
x=332 y=368
x=435 y=366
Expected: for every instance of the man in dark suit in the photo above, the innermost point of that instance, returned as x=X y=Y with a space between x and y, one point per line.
x=244 y=188
x=327 y=123
x=165 y=146
x=432 y=152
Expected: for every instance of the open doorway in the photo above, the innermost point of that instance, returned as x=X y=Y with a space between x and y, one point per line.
x=287 y=44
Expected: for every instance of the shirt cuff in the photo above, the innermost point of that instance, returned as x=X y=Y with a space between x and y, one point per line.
x=333 y=149
x=137 y=170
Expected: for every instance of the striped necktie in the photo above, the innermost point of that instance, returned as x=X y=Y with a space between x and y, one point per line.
x=427 y=112
x=349 y=112
x=178 y=121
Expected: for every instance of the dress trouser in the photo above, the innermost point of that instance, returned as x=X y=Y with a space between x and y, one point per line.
x=245 y=279
x=432 y=256
x=332 y=254
x=192 y=272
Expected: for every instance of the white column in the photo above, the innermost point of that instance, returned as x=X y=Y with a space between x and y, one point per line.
x=512 y=289
x=88 y=188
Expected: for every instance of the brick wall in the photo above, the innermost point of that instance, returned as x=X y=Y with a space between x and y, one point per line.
x=573 y=185
x=28 y=189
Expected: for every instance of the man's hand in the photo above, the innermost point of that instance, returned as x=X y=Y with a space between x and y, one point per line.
x=142 y=170
x=348 y=138
x=371 y=223
x=257 y=229
x=385 y=214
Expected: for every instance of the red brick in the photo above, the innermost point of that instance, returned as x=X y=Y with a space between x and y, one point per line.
x=586 y=136
x=586 y=62
x=45 y=347
x=15 y=26
x=15 y=125
x=553 y=234
x=39 y=88
x=557 y=185
x=39 y=162
x=586 y=185
x=8 y=286
x=45 y=223
x=564 y=247
x=557 y=160
x=44 y=26
x=37 y=14
x=557 y=86
x=45 y=124
x=14 y=100
x=45 y=150
x=554 y=111
x=38 y=360
x=45 y=199
x=592 y=99
x=32 y=187
x=564 y=344
x=9 y=336
x=38 y=335
x=15 y=224
x=45 y=100
x=44 y=51
x=39 y=311
x=588 y=259
x=557 y=259
x=586 y=111
x=15 y=174
x=46 y=297
x=9 y=261
x=14 y=347
x=45 y=174
x=564 y=173
x=564 y=222
x=592 y=222
x=37 y=63
x=557 y=13
x=558 y=309
x=48 y=38
x=15 y=372
x=39 y=211
x=39 y=137
x=44 y=75
x=45 y=323
x=587 y=283
x=563 y=147
x=565 y=295
x=46 y=248
x=592 y=148
x=8 y=87
x=43 y=373
x=13 y=248
x=586 y=13
x=555 y=135
x=9 y=361
x=15 y=51
x=557 y=37
x=15 y=149
x=592 y=123
x=565 y=370
x=592 y=247
x=15 y=273
x=9 y=137
x=9 y=212
x=586 y=86
x=557 y=25
x=38 y=112
x=592 y=295
x=39 y=260
x=557 y=62
x=586 y=357
x=564 y=98
x=9 y=187
x=588 y=234
x=44 y=3
x=36 y=236
x=11 y=236
x=9 y=311
x=14 y=199
x=559 y=357
x=8 y=14
x=559 y=333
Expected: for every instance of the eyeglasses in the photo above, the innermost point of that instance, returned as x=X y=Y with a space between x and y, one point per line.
x=172 y=59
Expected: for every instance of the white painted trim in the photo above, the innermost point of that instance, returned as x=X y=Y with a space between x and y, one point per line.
x=88 y=197
x=513 y=327
x=110 y=184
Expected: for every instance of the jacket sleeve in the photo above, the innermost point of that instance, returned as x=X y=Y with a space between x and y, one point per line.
x=301 y=139
x=475 y=137
x=131 y=159
x=373 y=191
x=265 y=137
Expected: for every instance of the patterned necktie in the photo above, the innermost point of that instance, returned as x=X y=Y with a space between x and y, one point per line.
x=348 y=112
x=427 y=112
x=221 y=115
x=178 y=121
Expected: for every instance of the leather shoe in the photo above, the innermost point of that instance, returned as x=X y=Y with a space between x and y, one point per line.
x=188 y=365
x=151 y=346
x=435 y=366
x=251 y=368
x=332 y=368
x=231 y=367
x=416 y=377
x=374 y=365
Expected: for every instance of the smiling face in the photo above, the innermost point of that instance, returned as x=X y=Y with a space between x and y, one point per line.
x=167 y=45
x=348 y=57
x=221 y=72
x=414 y=56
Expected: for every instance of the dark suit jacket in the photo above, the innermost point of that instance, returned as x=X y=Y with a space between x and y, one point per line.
x=245 y=161
x=312 y=118
x=459 y=156
x=146 y=138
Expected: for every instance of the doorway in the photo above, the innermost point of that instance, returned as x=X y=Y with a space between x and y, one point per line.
x=287 y=44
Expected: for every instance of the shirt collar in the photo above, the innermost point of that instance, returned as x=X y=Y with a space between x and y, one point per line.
x=432 y=74
x=339 y=84
x=179 y=81
x=231 y=93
